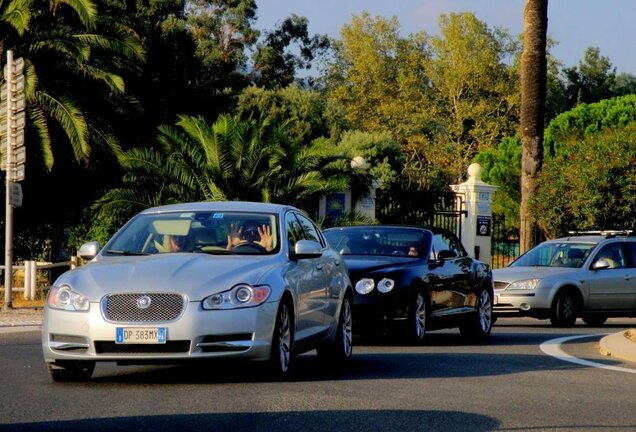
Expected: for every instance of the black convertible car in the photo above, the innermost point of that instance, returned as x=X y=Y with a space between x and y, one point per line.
x=420 y=278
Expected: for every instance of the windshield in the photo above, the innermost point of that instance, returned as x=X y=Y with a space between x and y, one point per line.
x=380 y=241
x=204 y=232
x=555 y=254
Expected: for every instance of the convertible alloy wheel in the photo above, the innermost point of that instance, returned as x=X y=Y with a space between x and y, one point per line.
x=478 y=327
x=417 y=318
x=484 y=307
x=280 y=357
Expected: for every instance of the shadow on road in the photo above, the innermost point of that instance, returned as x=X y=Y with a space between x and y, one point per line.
x=380 y=420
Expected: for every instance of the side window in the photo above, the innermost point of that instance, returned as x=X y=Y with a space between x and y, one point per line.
x=456 y=246
x=631 y=246
x=310 y=231
x=294 y=231
x=439 y=243
x=612 y=253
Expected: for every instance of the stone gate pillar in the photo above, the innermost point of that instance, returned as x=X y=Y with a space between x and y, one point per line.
x=477 y=222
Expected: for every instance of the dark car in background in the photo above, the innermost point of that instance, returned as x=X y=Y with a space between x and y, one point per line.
x=409 y=280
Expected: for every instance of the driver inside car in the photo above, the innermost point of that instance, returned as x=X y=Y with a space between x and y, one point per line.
x=250 y=232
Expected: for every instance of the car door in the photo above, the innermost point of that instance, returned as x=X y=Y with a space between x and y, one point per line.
x=448 y=285
x=612 y=288
x=305 y=276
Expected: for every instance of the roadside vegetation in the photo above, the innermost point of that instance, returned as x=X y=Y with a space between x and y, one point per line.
x=141 y=103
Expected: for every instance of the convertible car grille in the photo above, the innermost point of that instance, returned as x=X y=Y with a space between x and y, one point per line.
x=143 y=307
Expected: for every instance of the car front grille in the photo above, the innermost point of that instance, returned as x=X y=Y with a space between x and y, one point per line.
x=143 y=307
x=107 y=347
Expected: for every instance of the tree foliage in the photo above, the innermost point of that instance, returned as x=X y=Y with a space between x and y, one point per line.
x=232 y=159
x=591 y=185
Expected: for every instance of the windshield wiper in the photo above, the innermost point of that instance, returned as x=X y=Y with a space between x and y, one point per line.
x=125 y=252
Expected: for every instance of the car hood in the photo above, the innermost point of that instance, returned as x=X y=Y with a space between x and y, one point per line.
x=511 y=274
x=196 y=275
x=359 y=265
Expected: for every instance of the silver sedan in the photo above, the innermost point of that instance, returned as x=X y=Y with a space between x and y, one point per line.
x=201 y=281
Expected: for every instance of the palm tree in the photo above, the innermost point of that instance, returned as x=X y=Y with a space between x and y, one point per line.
x=66 y=47
x=533 y=94
x=232 y=159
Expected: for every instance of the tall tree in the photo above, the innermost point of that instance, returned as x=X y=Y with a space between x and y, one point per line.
x=594 y=79
x=533 y=96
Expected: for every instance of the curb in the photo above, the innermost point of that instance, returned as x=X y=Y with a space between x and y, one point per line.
x=619 y=346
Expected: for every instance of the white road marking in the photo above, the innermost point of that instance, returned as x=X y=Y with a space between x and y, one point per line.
x=553 y=348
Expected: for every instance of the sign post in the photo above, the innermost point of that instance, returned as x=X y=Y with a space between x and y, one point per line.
x=12 y=122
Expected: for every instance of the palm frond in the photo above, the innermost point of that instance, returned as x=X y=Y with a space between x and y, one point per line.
x=85 y=9
x=18 y=15
x=71 y=119
x=123 y=44
x=114 y=82
x=39 y=122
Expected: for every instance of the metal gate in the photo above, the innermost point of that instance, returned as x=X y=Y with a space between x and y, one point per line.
x=420 y=208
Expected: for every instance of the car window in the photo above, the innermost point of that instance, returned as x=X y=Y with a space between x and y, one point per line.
x=444 y=241
x=294 y=230
x=555 y=254
x=379 y=241
x=198 y=231
x=309 y=230
x=631 y=247
x=614 y=254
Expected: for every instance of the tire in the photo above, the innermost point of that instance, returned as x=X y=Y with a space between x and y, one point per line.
x=479 y=326
x=416 y=318
x=594 y=320
x=280 y=356
x=339 y=350
x=71 y=370
x=565 y=309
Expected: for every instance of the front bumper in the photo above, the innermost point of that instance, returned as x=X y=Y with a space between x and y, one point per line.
x=196 y=334
x=521 y=303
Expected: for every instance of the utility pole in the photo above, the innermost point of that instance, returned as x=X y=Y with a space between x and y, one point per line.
x=13 y=158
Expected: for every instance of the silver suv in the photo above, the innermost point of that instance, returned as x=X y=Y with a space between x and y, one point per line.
x=592 y=276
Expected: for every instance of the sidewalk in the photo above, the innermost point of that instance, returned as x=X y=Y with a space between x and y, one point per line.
x=20 y=318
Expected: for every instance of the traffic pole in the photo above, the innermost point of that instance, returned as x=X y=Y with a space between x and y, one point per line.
x=8 y=235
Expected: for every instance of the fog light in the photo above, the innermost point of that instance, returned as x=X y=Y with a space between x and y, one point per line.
x=525 y=307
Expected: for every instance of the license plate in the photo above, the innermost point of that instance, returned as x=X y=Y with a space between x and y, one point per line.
x=138 y=335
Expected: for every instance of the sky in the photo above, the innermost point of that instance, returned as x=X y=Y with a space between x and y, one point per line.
x=573 y=24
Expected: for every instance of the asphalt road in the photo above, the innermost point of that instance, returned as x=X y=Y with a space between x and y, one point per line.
x=507 y=384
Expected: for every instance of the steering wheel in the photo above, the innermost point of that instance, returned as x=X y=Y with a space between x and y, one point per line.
x=248 y=248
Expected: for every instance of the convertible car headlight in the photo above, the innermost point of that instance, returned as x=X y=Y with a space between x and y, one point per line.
x=240 y=296
x=365 y=286
x=527 y=284
x=386 y=285
x=64 y=298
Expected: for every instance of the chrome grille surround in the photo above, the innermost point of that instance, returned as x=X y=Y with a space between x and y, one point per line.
x=124 y=307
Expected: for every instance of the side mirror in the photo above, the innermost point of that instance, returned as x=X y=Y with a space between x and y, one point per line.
x=89 y=250
x=445 y=254
x=601 y=265
x=307 y=249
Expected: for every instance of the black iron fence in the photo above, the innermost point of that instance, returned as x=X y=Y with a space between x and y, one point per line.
x=420 y=208
x=505 y=246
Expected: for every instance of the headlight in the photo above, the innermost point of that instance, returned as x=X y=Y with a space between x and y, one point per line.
x=528 y=284
x=66 y=299
x=365 y=286
x=240 y=296
x=386 y=285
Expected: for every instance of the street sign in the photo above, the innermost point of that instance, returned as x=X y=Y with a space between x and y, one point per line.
x=16 y=195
